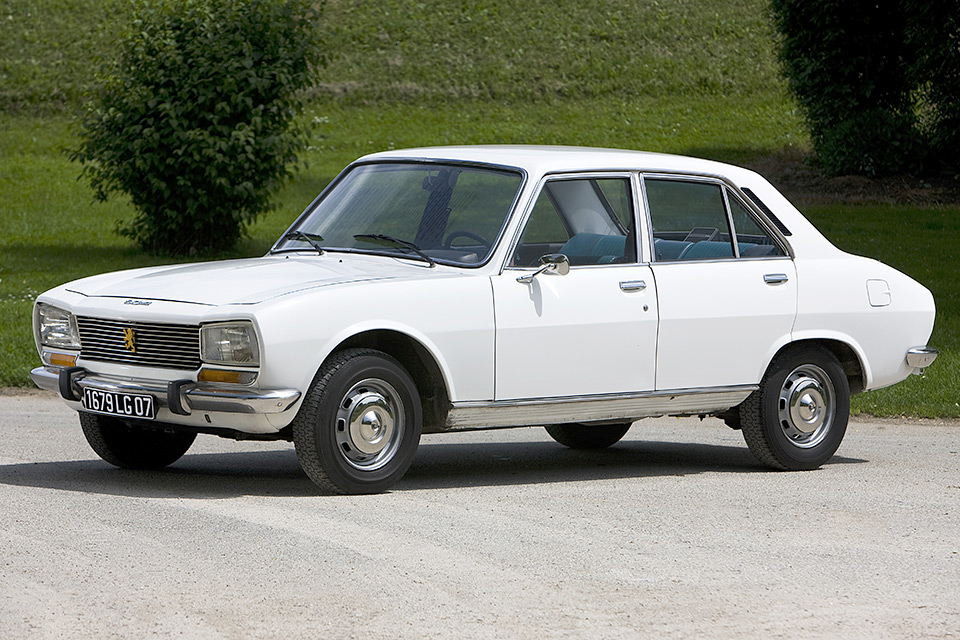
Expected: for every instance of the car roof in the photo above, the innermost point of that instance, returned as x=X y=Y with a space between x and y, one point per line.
x=539 y=160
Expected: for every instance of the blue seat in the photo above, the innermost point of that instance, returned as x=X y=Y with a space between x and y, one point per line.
x=712 y=249
x=594 y=248
x=706 y=250
x=669 y=249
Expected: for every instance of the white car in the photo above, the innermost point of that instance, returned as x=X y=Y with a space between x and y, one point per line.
x=444 y=289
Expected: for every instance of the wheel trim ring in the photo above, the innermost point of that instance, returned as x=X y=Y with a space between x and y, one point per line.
x=369 y=424
x=806 y=406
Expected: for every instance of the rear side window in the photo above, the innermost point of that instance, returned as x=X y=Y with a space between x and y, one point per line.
x=691 y=220
x=753 y=241
x=766 y=210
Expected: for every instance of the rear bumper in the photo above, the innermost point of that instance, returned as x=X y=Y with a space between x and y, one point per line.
x=181 y=397
x=921 y=357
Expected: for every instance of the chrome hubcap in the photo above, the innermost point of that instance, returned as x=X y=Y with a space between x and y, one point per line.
x=369 y=424
x=806 y=405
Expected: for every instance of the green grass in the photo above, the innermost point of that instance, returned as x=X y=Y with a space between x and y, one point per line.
x=435 y=50
x=50 y=50
x=494 y=50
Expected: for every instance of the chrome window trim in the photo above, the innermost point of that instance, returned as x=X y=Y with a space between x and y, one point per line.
x=643 y=248
x=730 y=226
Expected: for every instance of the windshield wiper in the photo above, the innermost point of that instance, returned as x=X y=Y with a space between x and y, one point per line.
x=396 y=243
x=312 y=238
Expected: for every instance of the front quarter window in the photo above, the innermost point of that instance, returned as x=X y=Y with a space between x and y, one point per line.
x=446 y=213
x=589 y=220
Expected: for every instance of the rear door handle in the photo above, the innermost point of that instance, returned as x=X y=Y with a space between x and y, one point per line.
x=632 y=285
x=775 y=278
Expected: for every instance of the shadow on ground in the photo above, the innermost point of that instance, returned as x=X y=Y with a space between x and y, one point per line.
x=437 y=466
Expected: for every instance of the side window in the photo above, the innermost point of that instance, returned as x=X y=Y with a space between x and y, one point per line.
x=590 y=220
x=689 y=220
x=752 y=240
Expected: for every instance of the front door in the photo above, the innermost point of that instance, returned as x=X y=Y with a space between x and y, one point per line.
x=594 y=330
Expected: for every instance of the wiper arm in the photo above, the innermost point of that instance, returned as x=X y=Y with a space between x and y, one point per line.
x=312 y=238
x=396 y=243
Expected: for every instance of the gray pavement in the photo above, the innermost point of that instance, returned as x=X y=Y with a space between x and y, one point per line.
x=674 y=533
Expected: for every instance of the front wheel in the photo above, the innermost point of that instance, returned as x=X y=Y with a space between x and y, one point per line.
x=585 y=436
x=130 y=446
x=359 y=426
x=798 y=416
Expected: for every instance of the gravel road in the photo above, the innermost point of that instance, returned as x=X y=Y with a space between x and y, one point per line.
x=674 y=533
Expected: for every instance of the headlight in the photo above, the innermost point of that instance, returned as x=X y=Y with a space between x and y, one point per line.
x=57 y=328
x=229 y=343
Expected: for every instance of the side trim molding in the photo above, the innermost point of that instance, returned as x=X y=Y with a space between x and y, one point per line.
x=598 y=408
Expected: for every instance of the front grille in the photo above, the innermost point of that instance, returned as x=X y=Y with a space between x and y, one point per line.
x=169 y=346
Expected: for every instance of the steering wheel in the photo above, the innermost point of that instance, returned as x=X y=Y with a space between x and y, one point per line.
x=448 y=243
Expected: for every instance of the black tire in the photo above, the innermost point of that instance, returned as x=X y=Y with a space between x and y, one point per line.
x=585 y=436
x=797 y=418
x=359 y=426
x=130 y=446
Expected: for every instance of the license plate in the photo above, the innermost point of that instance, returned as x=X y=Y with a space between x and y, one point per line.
x=127 y=405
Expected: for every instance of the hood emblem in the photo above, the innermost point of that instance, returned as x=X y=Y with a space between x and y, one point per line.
x=130 y=339
x=139 y=303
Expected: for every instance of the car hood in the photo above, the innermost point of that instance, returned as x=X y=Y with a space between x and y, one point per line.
x=246 y=281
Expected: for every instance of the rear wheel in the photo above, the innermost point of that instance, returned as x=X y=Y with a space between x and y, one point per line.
x=585 y=436
x=359 y=426
x=798 y=416
x=130 y=446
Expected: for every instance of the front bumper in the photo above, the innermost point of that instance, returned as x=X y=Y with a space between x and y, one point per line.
x=181 y=397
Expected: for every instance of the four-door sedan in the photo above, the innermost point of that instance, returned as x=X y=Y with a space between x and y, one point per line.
x=442 y=289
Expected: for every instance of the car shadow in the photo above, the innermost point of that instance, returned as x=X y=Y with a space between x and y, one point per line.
x=277 y=473
x=499 y=464
x=195 y=476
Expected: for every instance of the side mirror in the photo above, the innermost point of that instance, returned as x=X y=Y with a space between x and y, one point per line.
x=552 y=263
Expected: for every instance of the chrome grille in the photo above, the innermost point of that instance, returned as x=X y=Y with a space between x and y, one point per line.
x=169 y=346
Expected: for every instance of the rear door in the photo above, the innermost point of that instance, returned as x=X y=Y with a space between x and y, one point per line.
x=727 y=289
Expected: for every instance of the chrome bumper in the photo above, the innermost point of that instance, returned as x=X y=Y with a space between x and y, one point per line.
x=921 y=357
x=179 y=396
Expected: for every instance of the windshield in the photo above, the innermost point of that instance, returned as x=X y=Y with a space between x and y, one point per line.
x=433 y=212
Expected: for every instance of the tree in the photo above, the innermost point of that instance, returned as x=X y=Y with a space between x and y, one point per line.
x=848 y=64
x=196 y=120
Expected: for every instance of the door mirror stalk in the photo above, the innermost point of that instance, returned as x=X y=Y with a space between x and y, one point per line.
x=551 y=263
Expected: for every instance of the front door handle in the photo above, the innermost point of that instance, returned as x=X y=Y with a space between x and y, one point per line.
x=632 y=285
x=775 y=278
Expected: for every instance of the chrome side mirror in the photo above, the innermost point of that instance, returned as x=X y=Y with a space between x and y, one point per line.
x=552 y=263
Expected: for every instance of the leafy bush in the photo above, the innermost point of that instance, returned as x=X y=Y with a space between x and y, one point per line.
x=934 y=27
x=878 y=82
x=196 y=120
x=848 y=63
